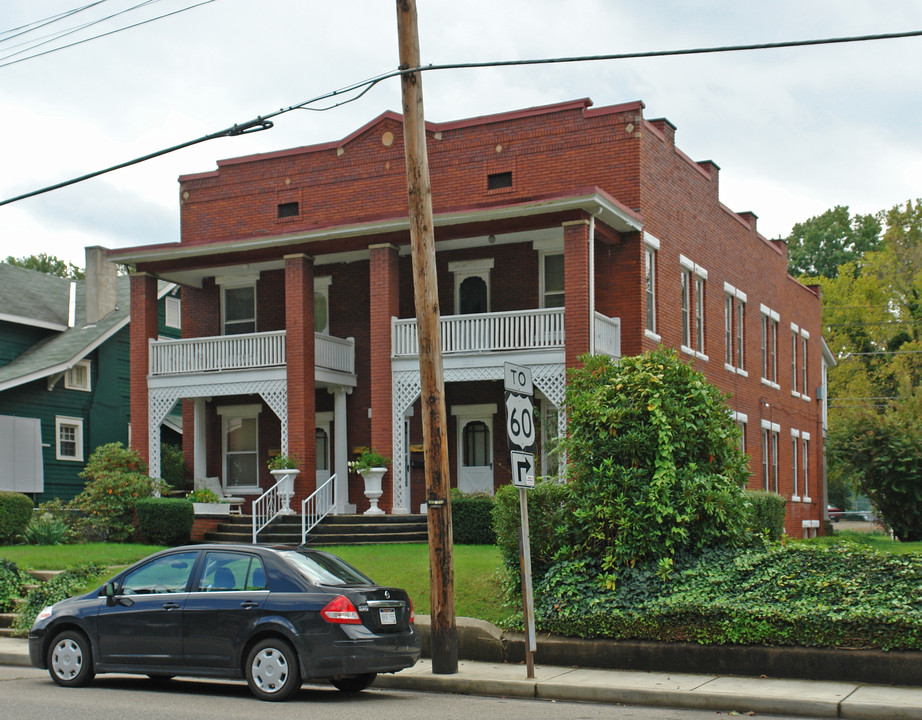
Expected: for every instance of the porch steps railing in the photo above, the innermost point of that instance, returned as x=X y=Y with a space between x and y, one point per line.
x=268 y=506
x=332 y=530
x=317 y=506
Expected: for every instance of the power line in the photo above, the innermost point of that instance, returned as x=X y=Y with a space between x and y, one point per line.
x=100 y=35
x=37 y=24
x=262 y=122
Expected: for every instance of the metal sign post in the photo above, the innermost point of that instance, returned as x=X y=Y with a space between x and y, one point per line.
x=520 y=428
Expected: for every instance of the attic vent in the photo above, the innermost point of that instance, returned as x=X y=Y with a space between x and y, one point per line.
x=288 y=209
x=497 y=181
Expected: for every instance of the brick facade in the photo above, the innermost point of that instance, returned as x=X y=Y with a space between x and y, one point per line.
x=599 y=186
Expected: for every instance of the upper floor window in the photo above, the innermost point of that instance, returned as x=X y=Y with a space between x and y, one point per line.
x=651 y=248
x=238 y=308
x=795 y=341
x=734 y=323
x=770 y=432
x=694 y=279
x=805 y=389
x=78 y=377
x=472 y=285
x=552 y=280
x=770 y=320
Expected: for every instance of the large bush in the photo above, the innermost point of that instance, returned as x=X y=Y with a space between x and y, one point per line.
x=654 y=462
x=15 y=513
x=173 y=467
x=767 y=513
x=12 y=581
x=117 y=479
x=165 y=521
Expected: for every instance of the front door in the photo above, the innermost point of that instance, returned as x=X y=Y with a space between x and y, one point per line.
x=475 y=454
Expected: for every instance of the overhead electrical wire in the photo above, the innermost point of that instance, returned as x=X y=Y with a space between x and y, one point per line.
x=263 y=122
x=38 y=24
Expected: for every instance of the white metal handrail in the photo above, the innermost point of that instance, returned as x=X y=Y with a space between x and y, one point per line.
x=317 y=506
x=269 y=506
x=486 y=332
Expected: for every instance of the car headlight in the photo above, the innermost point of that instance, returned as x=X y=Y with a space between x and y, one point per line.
x=45 y=613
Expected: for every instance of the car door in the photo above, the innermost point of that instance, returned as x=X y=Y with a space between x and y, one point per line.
x=225 y=603
x=142 y=627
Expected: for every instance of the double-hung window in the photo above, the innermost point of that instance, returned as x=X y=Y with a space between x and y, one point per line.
x=734 y=316
x=770 y=320
x=694 y=281
x=651 y=248
x=238 y=308
x=770 y=432
x=68 y=433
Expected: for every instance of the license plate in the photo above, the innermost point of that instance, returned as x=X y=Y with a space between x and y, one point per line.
x=388 y=616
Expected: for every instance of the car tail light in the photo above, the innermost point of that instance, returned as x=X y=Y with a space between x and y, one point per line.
x=341 y=611
x=412 y=614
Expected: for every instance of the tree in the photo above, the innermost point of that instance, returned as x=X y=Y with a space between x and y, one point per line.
x=818 y=247
x=655 y=465
x=47 y=264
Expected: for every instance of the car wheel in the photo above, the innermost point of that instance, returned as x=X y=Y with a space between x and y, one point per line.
x=354 y=684
x=272 y=670
x=70 y=660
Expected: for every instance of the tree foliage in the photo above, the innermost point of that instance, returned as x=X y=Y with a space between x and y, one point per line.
x=818 y=247
x=654 y=462
x=48 y=264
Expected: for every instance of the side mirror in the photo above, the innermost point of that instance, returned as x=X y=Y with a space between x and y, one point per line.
x=110 y=593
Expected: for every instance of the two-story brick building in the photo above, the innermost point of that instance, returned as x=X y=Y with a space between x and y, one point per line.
x=559 y=230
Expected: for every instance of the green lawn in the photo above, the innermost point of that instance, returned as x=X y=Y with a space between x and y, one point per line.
x=879 y=541
x=477 y=587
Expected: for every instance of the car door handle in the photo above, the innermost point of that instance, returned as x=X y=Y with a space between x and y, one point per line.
x=171 y=606
x=247 y=604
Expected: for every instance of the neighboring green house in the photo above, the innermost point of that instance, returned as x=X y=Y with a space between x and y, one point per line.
x=64 y=372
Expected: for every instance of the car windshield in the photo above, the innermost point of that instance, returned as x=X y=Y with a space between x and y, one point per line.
x=322 y=569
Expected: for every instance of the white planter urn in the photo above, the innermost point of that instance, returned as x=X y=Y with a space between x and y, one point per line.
x=373 y=491
x=210 y=508
x=286 y=489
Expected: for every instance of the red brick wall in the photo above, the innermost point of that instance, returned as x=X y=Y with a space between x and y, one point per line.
x=143 y=328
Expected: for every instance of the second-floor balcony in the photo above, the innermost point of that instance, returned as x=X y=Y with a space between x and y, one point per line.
x=515 y=332
x=253 y=351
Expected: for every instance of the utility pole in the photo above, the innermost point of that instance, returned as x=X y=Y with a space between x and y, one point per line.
x=443 y=632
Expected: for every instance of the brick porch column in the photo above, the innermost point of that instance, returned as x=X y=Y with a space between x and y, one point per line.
x=299 y=356
x=384 y=294
x=577 y=289
x=143 y=328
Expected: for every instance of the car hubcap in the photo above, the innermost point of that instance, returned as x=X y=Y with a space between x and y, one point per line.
x=270 y=670
x=67 y=659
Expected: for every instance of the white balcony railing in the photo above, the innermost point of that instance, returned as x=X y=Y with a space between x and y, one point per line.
x=607 y=335
x=486 y=332
x=243 y=352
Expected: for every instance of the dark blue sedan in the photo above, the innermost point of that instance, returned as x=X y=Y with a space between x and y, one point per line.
x=277 y=616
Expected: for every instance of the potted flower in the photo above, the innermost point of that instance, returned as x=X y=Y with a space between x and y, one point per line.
x=284 y=468
x=207 y=502
x=371 y=466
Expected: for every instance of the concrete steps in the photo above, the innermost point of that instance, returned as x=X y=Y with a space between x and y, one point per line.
x=333 y=530
x=7 y=619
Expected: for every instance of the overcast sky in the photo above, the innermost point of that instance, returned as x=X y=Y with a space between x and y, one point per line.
x=795 y=131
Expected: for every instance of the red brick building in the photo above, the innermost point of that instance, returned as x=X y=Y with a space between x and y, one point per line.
x=559 y=230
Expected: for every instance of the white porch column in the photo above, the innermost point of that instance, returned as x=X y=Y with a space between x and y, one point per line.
x=199 y=465
x=341 y=454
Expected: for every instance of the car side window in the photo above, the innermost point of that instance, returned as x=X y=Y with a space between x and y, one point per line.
x=232 y=571
x=168 y=574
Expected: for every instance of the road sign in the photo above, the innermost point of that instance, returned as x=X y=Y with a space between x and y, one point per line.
x=517 y=379
x=523 y=469
x=520 y=422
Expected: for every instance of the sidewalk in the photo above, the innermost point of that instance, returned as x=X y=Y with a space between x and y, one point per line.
x=702 y=692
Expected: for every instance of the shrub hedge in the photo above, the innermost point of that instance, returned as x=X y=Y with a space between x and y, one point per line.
x=784 y=594
x=165 y=521
x=12 y=580
x=472 y=519
x=767 y=513
x=15 y=513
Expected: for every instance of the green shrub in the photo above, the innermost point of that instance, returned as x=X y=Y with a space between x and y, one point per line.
x=117 y=480
x=61 y=586
x=547 y=513
x=203 y=495
x=767 y=513
x=12 y=580
x=172 y=466
x=783 y=594
x=472 y=519
x=46 y=529
x=15 y=513
x=165 y=521
x=655 y=466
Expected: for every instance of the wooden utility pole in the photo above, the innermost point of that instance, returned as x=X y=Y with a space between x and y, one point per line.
x=443 y=633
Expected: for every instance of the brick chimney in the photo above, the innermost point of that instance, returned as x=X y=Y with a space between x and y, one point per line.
x=100 y=284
